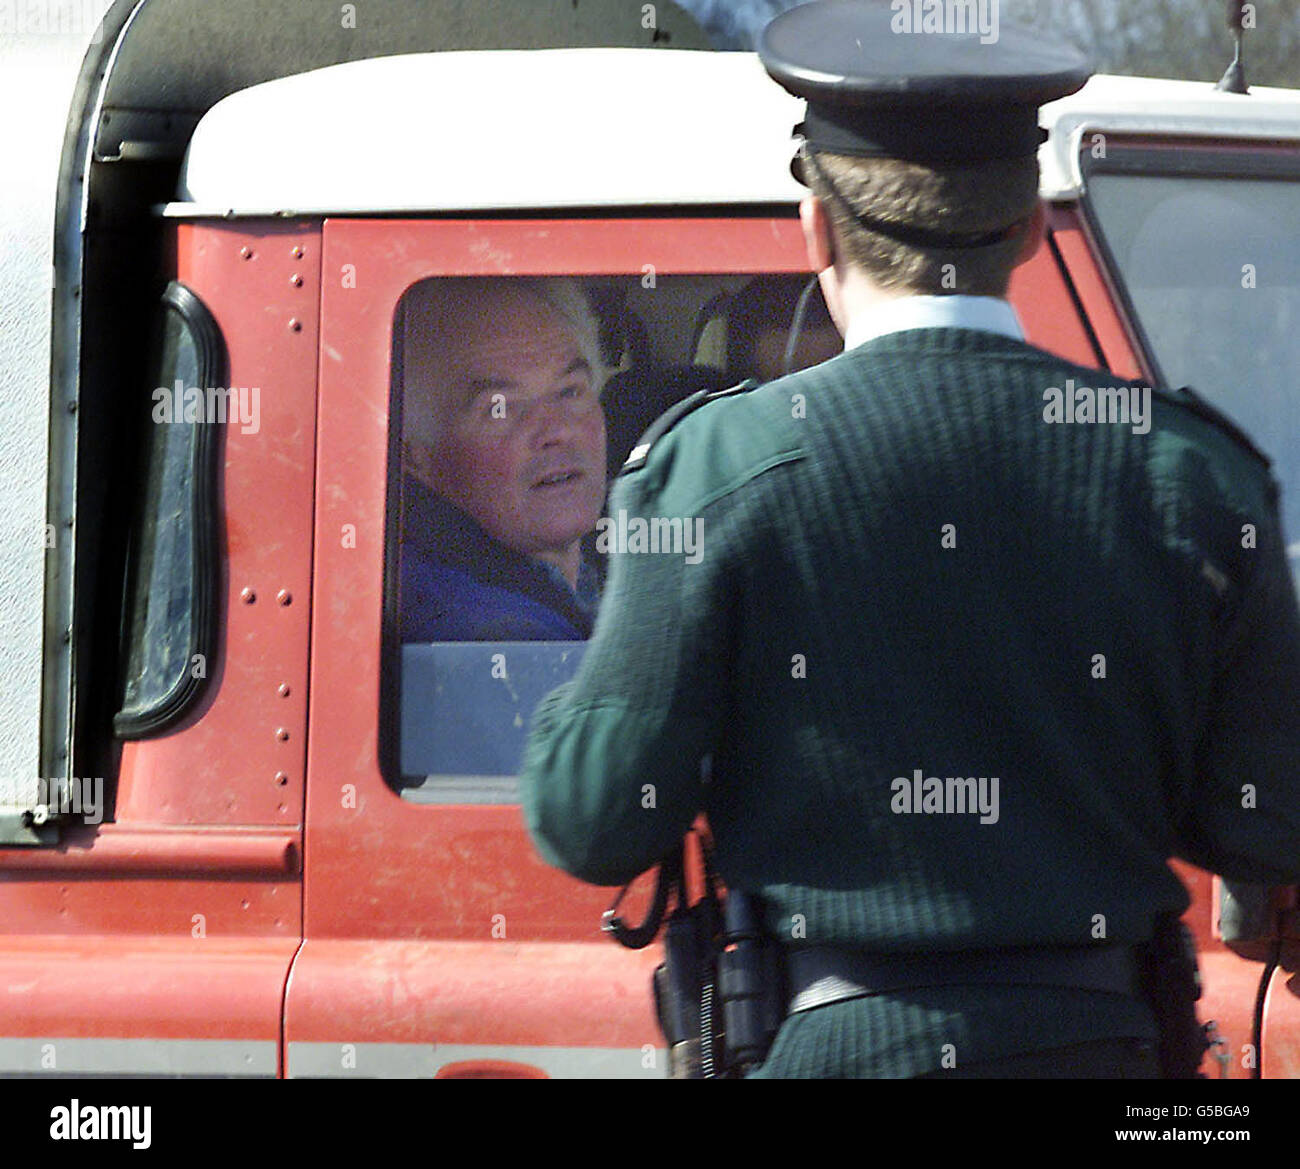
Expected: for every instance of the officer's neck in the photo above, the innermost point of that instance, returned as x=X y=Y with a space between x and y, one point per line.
x=852 y=296
x=865 y=310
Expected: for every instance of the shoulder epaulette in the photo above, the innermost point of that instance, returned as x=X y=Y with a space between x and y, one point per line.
x=672 y=416
x=1188 y=398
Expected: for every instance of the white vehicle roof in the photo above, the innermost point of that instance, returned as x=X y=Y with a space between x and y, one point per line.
x=496 y=130
x=1145 y=105
x=557 y=128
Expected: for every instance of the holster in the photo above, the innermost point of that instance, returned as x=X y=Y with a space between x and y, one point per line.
x=719 y=994
x=684 y=990
x=1170 y=984
x=751 y=984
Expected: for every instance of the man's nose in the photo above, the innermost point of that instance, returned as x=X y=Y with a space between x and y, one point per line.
x=549 y=421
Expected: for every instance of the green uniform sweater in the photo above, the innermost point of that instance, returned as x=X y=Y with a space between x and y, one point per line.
x=906 y=573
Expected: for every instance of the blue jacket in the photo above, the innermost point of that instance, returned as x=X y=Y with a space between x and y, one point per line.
x=460 y=584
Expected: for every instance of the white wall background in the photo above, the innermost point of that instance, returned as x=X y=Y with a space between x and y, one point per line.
x=41 y=49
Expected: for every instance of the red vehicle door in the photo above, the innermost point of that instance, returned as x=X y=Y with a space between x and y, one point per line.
x=436 y=941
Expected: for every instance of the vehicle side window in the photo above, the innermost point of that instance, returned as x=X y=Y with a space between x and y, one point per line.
x=515 y=402
x=1208 y=263
x=168 y=618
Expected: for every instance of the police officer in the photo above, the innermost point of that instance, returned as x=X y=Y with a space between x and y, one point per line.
x=958 y=663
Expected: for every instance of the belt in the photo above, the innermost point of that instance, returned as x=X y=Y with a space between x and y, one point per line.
x=818 y=975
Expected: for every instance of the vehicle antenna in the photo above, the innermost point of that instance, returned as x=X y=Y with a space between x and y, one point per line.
x=1234 y=80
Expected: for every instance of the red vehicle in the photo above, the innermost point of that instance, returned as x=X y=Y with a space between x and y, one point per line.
x=298 y=851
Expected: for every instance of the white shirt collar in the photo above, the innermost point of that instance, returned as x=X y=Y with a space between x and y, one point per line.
x=992 y=314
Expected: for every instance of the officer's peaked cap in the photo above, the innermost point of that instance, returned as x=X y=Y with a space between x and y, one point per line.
x=909 y=79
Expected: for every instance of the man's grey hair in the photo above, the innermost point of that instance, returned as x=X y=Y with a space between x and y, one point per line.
x=435 y=305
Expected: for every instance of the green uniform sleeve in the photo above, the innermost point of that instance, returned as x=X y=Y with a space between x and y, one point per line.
x=612 y=769
x=1246 y=810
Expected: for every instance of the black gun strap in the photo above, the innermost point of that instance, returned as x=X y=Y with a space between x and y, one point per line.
x=671 y=877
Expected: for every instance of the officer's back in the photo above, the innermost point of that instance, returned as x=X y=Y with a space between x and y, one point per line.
x=1006 y=669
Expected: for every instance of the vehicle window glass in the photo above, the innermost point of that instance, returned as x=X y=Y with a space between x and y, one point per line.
x=515 y=402
x=1209 y=265
x=168 y=621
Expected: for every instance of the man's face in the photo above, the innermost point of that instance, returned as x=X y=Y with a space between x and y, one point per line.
x=519 y=432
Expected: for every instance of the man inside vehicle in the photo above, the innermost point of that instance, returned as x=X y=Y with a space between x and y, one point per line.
x=503 y=460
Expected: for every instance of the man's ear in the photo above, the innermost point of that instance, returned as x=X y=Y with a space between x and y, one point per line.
x=1035 y=231
x=817 y=234
x=819 y=242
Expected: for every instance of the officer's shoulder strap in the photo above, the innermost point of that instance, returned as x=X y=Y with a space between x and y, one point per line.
x=1190 y=400
x=673 y=415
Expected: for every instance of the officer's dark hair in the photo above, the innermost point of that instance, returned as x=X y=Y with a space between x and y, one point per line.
x=968 y=200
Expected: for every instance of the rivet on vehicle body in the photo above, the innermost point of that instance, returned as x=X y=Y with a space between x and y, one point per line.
x=295 y=324
x=247 y=596
x=284 y=597
x=246 y=252
x=281 y=778
x=296 y=280
x=282 y=733
x=296 y=251
x=283 y=691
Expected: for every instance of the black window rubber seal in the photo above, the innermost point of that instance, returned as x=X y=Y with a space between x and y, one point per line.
x=185 y=693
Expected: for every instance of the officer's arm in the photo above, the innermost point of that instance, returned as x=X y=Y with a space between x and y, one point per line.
x=1246 y=810
x=612 y=769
